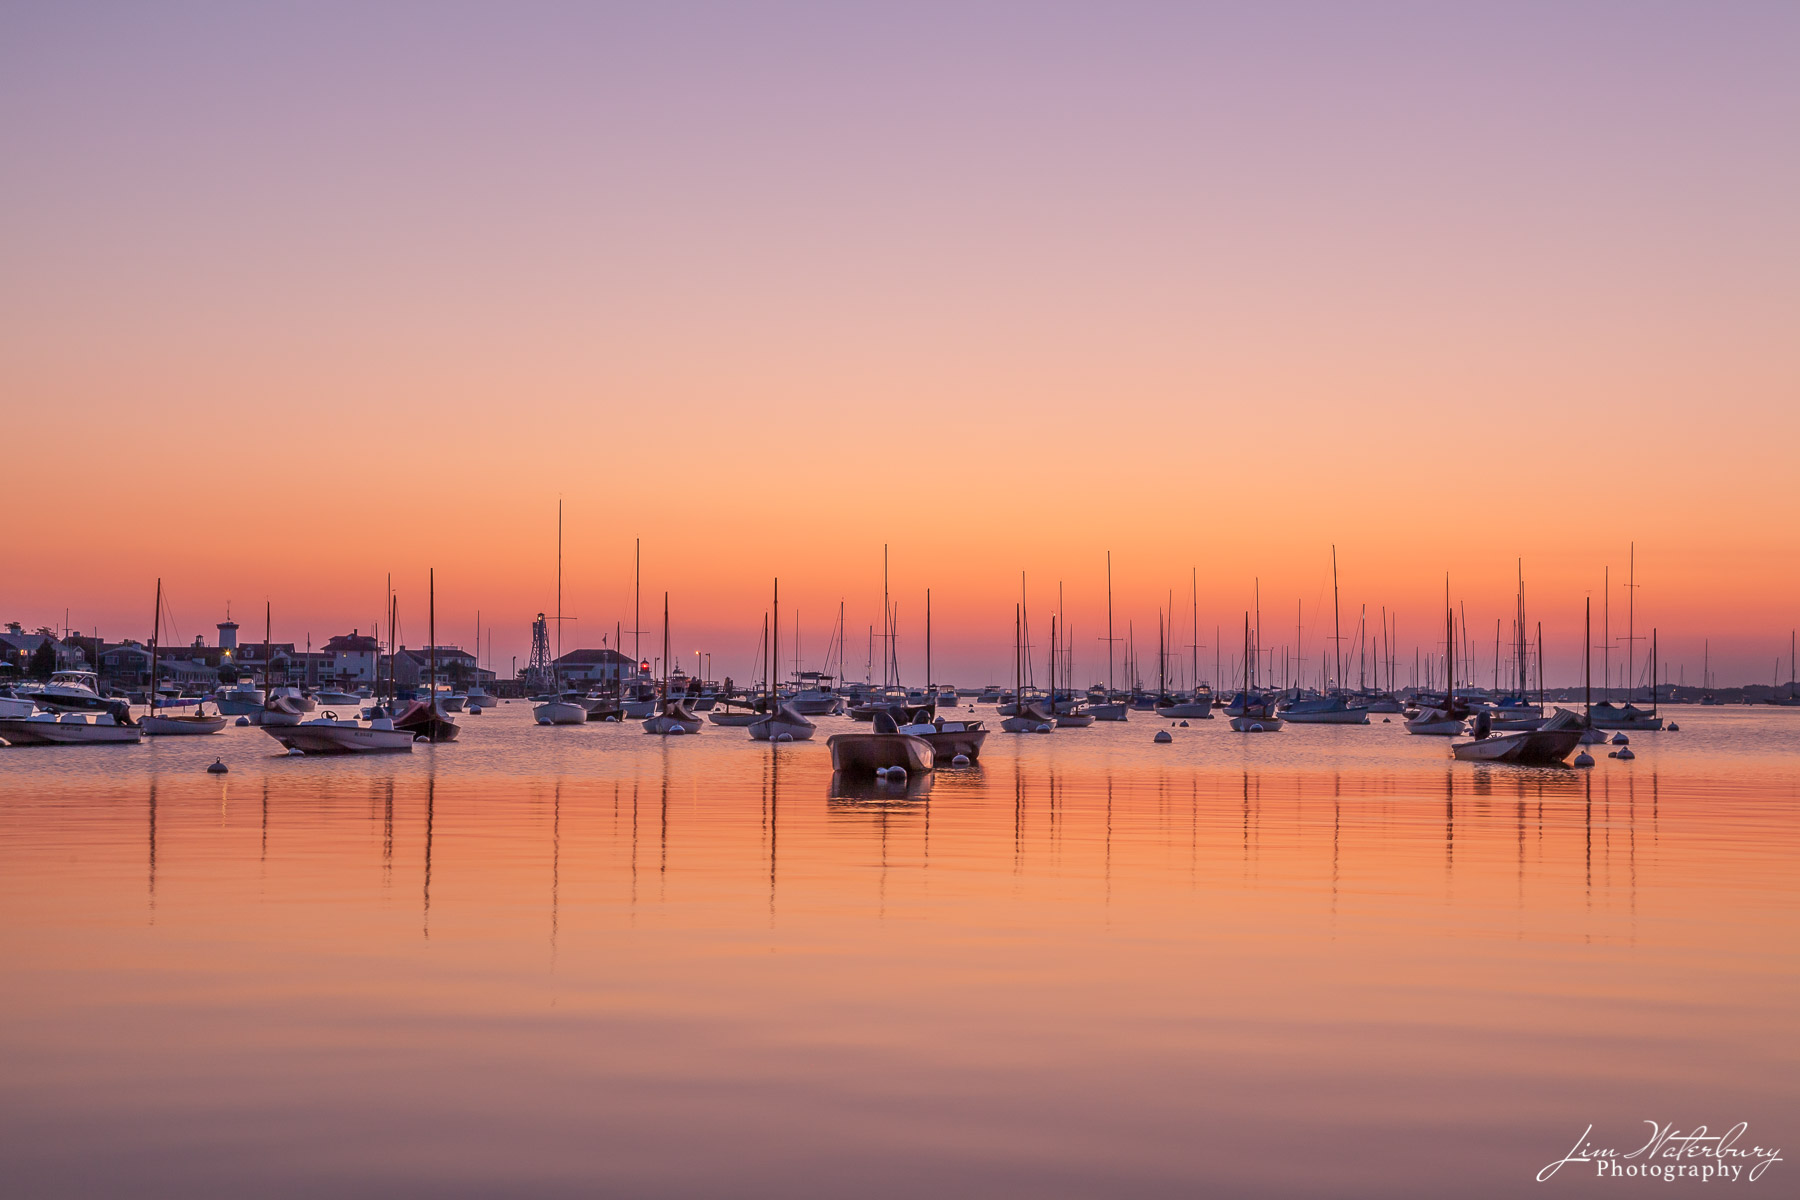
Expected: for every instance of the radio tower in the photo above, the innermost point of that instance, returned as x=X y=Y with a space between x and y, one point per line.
x=538 y=670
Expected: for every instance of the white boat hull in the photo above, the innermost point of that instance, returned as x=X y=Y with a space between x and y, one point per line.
x=560 y=712
x=328 y=737
x=1187 y=711
x=181 y=726
x=36 y=731
x=1263 y=724
x=1340 y=716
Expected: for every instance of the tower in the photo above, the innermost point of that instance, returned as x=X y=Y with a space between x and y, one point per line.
x=539 y=671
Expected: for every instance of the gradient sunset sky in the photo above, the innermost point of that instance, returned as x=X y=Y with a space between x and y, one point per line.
x=293 y=296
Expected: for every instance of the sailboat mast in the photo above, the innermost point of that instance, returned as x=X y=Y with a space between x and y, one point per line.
x=1109 y=629
x=431 y=616
x=155 y=638
x=929 y=687
x=775 y=644
x=1194 y=683
x=886 y=618
x=1337 y=640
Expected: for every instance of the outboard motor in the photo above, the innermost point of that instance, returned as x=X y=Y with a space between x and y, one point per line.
x=1484 y=725
x=885 y=723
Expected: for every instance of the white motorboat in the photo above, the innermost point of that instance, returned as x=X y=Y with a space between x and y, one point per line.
x=882 y=750
x=331 y=734
x=244 y=699
x=479 y=698
x=785 y=724
x=112 y=727
x=1628 y=716
x=1078 y=719
x=1114 y=712
x=675 y=717
x=15 y=708
x=332 y=698
x=560 y=712
x=71 y=691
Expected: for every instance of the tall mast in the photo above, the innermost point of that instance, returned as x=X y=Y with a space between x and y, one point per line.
x=1630 y=629
x=929 y=688
x=637 y=603
x=155 y=638
x=431 y=615
x=1337 y=640
x=665 y=654
x=1109 y=629
x=268 y=635
x=887 y=632
x=775 y=646
x=1194 y=683
x=558 y=579
x=1587 y=671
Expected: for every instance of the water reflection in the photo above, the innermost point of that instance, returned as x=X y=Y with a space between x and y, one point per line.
x=1047 y=970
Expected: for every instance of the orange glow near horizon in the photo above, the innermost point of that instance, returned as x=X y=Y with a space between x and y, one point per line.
x=1002 y=307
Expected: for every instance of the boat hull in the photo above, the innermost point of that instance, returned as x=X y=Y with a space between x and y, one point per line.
x=1438 y=727
x=1543 y=747
x=1201 y=711
x=1115 y=712
x=1265 y=724
x=181 y=726
x=946 y=744
x=734 y=720
x=1339 y=716
x=320 y=738
x=865 y=753
x=560 y=712
x=29 y=732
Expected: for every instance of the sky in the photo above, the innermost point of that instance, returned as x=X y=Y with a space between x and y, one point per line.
x=296 y=296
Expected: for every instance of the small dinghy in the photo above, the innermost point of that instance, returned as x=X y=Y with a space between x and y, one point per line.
x=178 y=726
x=1436 y=722
x=882 y=750
x=1550 y=744
x=1030 y=718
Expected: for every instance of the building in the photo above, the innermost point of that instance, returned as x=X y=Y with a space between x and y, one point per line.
x=454 y=666
x=352 y=658
x=17 y=647
x=597 y=666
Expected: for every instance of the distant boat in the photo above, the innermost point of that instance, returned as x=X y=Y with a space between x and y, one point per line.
x=948 y=738
x=158 y=725
x=1324 y=710
x=1607 y=715
x=336 y=698
x=1256 y=713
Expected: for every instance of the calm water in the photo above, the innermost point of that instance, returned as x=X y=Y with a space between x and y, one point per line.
x=585 y=961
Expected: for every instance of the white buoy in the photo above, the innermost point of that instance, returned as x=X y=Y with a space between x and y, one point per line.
x=1163 y=735
x=611 y=720
x=218 y=767
x=784 y=737
x=421 y=738
x=1387 y=720
x=1625 y=754
x=881 y=772
x=295 y=752
x=1620 y=739
x=961 y=760
x=1042 y=729
x=242 y=721
x=1612 y=754
x=1184 y=724
x=1255 y=727
x=543 y=720
x=1674 y=728
x=676 y=730
x=1584 y=759
x=896 y=775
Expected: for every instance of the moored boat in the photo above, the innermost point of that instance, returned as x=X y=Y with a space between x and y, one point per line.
x=1552 y=743
x=113 y=726
x=330 y=734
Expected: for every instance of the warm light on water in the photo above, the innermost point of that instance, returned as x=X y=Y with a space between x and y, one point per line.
x=586 y=961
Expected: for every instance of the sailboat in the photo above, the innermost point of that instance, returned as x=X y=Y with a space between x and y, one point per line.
x=156 y=725
x=559 y=709
x=1335 y=708
x=1111 y=709
x=1199 y=705
x=1790 y=700
x=1446 y=719
x=675 y=717
x=1076 y=717
x=1029 y=716
x=1255 y=711
x=427 y=719
x=1607 y=715
x=782 y=722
